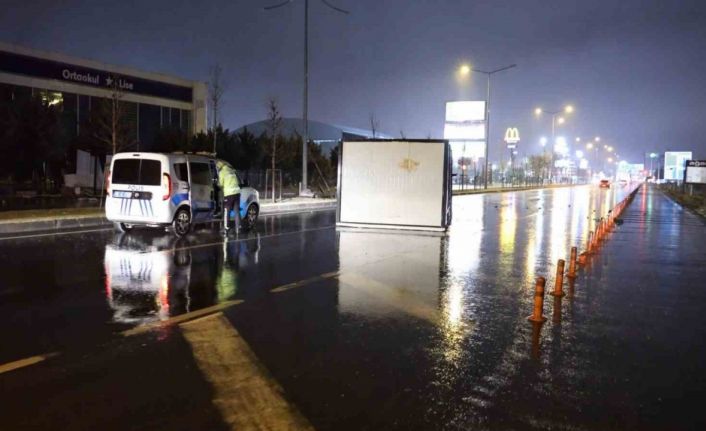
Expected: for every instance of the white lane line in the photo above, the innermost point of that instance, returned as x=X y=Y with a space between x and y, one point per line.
x=220 y=243
x=180 y=318
x=41 y=235
x=73 y=232
x=245 y=393
x=289 y=212
x=26 y=362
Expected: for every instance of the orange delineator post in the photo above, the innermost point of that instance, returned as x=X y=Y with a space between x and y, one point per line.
x=582 y=258
x=589 y=245
x=537 y=316
x=559 y=280
x=572 y=263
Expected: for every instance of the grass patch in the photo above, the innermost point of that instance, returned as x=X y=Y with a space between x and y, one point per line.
x=696 y=202
x=51 y=213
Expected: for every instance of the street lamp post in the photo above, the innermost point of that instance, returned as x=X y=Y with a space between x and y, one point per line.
x=652 y=158
x=305 y=144
x=488 y=74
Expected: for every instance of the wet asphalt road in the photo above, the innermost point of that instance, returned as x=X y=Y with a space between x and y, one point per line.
x=370 y=330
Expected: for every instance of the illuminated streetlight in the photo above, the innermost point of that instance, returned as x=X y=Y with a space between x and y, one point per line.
x=543 y=141
x=578 y=139
x=610 y=160
x=589 y=145
x=597 y=139
x=560 y=146
x=610 y=149
x=579 y=154
x=465 y=70
x=556 y=118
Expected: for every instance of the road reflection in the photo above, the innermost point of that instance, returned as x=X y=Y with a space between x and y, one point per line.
x=150 y=277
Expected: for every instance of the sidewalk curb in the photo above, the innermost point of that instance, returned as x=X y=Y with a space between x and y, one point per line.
x=513 y=189
x=25 y=226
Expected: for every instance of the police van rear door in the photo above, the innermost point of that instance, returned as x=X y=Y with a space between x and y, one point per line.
x=202 y=193
x=134 y=183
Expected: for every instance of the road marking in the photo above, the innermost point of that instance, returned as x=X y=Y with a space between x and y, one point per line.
x=180 y=318
x=304 y=282
x=245 y=393
x=212 y=244
x=40 y=235
x=26 y=362
x=299 y=211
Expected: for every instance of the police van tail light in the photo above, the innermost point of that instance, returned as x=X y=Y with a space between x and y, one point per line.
x=166 y=187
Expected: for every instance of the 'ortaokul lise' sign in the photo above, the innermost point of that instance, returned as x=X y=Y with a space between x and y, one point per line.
x=36 y=67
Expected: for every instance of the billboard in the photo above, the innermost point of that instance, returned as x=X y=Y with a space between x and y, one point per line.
x=464 y=128
x=465 y=121
x=465 y=111
x=695 y=172
x=674 y=164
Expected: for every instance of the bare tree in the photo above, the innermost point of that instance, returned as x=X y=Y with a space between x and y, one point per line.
x=274 y=123
x=374 y=124
x=109 y=124
x=217 y=87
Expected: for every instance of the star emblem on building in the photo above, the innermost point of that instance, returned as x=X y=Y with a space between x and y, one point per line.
x=108 y=81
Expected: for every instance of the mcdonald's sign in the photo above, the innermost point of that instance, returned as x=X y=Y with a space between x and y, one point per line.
x=512 y=135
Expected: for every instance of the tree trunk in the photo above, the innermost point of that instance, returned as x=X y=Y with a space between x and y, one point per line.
x=274 y=152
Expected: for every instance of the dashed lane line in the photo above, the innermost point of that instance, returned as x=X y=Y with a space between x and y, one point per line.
x=181 y=318
x=245 y=393
x=26 y=362
x=304 y=282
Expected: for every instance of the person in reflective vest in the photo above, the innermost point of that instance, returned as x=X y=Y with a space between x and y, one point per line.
x=228 y=182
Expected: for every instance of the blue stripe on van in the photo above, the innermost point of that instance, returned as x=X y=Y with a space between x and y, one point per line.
x=178 y=198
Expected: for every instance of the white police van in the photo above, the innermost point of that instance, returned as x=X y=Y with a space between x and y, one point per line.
x=173 y=190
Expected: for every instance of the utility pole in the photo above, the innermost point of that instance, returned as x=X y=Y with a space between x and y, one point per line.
x=305 y=114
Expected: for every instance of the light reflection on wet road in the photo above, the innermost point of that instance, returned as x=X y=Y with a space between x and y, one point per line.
x=405 y=331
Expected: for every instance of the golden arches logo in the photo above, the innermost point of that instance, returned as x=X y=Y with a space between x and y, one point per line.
x=512 y=135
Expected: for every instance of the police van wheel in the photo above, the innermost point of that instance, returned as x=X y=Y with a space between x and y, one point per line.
x=182 y=222
x=123 y=227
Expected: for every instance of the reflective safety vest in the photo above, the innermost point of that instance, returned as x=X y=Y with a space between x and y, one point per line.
x=227 y=179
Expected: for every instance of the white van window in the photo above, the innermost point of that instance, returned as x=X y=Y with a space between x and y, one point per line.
x=201 y=174
x=141 y=172
x=182 y=173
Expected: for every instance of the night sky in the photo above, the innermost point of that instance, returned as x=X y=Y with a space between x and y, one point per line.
x=634 y=70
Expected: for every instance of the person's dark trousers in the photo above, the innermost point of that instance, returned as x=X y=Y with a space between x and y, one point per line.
x=231 y=203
